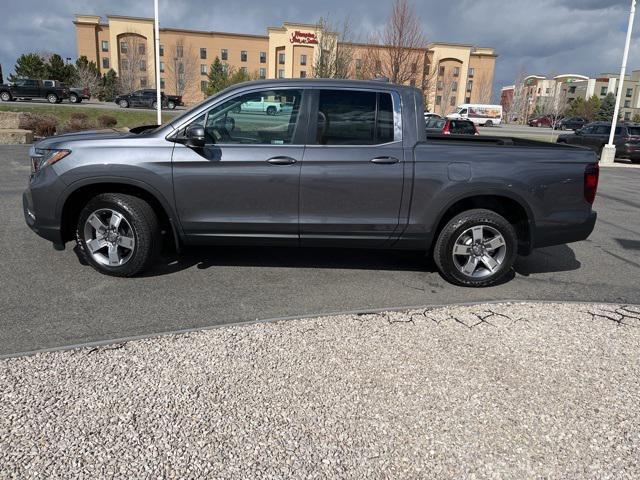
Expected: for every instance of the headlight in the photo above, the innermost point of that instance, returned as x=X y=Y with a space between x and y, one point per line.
x=43 y=158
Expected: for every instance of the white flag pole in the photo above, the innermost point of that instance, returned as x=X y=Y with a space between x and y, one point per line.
x=157 y=67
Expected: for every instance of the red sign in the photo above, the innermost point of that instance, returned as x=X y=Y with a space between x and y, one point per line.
x=307 y=38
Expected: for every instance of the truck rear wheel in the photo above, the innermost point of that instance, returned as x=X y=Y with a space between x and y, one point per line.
x=5 y=96
x=476 y=248
x=488 y=123
x=271 y=110
x=118 y=234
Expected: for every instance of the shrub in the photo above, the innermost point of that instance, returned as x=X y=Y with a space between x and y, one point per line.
x=77 y=125
x=107 y=121
x=40 y=125
x=79 y=117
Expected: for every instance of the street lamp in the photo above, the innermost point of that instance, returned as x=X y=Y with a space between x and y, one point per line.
x=609 y=150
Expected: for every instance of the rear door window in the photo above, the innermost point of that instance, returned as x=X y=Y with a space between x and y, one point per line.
x=348 y=117
x=463 y=128
x=634 y=131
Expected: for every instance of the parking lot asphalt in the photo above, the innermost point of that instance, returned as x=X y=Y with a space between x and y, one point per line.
x=49 y=299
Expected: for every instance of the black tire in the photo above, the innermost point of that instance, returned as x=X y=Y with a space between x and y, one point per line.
x=154 y=105
x=455 y=228
x=144 y=227
x=271 y=110
x=123 y=104
x=488 y=123
x=52 y=98
x=73 y=98
x=171 y=105
x=5 y=97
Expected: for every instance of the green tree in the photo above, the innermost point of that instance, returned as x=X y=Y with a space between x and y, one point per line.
x=636 y=118
x=607 y=107
x=592 y=107
x=218 y=77
x=109 y=86
x=29 y=65
x=57 y=70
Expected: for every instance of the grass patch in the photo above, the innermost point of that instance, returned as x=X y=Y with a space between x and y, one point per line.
x=125 y=118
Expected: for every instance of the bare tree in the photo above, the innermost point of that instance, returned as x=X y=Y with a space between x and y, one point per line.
x=398 y=47
x=87 y=77
x=182 y=68
x=554 y=105
x=483 y=86
x=133 y=62
x=335 y=51
x=429 y=80
x=447 y=86
x=519 y=104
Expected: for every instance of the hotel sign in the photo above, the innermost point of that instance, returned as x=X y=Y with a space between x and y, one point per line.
x=307 y=38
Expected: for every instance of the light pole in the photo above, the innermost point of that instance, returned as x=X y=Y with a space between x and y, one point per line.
x=157 y=69
x=609 y=151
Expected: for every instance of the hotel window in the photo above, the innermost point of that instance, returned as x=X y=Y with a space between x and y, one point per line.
x=358 y=64
x=181 y=68
x=263 y=73
x=548 y=91
x=105 y=46
x=224 y=54
x=143 y=65
x=281 y=58
x=454 y=86
x=263 y=57
x=162 y=50
x=203 y=85
x=162 y=83
x=203 y=69
x=627 y=116
x=472 y=72
x=161 y=67
x=572 y=89
x=179 y=51
x=143 y=82
x=456 y=71
x=303 y=74
x=281 y=73
x=427 y=69
x=414 y=67
x=303 y=59
x=243 y=56
x=452 y=102
x=142 y=49
x=627 y=104
x=469 y=86
x=124 y=47
x=124 y=64
x=203 y=53
x=629 y=92
x=603 y=90
x=105 y=62
x=441 y=70
x=438 y=100
x=467 y=100
x=439 y=85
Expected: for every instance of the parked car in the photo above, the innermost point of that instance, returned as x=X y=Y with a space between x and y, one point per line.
x=27 y=88
x=429 y=115
x=541 y=121
x=447 y=126
x=146 y=98
x=571 y=123
x=270 y=107
x=596 y=135
x=480 y=114
x=348 y=166
x=76 y=94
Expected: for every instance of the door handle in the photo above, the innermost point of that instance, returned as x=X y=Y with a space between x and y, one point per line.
x=281 y=161
x=385 y=160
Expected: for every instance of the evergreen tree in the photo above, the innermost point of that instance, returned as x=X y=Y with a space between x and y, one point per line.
x=218 y=77
x=607 y=107
x=109 y=86
x=592 y=107
x=83 y=63
x=636 y=118
x=29 y=65
x=58 y=70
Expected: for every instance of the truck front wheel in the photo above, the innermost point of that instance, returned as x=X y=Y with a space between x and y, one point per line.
x=118 y=234
x=476 y=248
x=5 y=96
x=52 y=98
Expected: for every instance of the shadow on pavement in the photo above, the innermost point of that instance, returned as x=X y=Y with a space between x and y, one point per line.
x=560 y=258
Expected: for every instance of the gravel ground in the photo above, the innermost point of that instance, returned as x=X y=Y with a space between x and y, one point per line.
x=487 y=391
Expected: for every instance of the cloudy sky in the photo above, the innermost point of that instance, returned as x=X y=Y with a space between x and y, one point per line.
x=539 y=36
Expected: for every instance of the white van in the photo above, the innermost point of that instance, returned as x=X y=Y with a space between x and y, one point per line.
x=485 y=115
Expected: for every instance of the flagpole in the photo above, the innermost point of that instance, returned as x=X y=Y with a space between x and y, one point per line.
x=157 y=67
x=609 y=151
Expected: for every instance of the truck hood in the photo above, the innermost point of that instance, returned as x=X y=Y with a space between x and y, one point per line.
x=104 y=134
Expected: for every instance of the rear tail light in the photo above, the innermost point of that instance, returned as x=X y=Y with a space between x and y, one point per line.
x=447 y=128
x=475 y=127
x=591 y=175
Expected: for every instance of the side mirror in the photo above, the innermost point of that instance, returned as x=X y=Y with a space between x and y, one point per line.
x=195 y=136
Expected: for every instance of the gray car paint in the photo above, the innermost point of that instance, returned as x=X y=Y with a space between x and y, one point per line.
x=330 y=195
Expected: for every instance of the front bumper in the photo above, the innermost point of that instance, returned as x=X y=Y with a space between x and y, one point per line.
x=40 y=202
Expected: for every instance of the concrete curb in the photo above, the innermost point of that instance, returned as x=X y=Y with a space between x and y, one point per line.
x=115 y=341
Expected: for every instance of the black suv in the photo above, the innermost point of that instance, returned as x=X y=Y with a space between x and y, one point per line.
x=572 y=123
x=146 y=98
x=596 y=135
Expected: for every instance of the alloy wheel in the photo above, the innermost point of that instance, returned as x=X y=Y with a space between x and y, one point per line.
x=109 y=238
x=479 y=251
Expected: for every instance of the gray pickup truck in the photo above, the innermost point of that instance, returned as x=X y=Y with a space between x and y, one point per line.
x=347 y=165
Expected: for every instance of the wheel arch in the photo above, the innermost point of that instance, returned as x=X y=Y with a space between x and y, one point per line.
x=513 y=209
x=79 y=193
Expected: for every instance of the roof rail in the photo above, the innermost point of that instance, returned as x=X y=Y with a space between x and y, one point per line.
x=381 y=79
